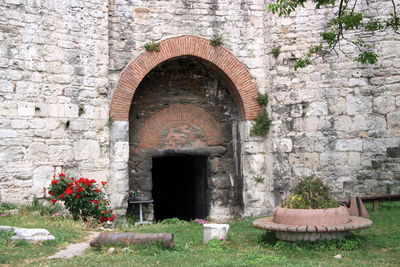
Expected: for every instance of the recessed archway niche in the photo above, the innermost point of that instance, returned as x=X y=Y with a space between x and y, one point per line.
x=179 y=110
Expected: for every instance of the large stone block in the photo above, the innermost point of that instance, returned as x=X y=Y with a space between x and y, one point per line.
x=384 y=104
x=358 y=105
x=221 y=182
x=333 y=158
x=79 y=125
x=304 y=158
x=368 y=122
x=6 y=86
x=317 y=109
x=349 y=145
x=86 y=150
x=342 y=123
x=6 y=133
x=38 y=151
x=393 y=121
x=282 y=145
x=119 y=131
x=61 y=153
x=38 y=123
x=354 y=158
x=253 y=164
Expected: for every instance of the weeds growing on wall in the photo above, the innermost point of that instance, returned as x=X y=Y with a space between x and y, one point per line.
x=152 y=47
x=276 y=51
x=110 y=122
x=216 y=41
x=262 y=121
x=261 y=125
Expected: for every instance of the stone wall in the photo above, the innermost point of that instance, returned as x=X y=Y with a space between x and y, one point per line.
x=53 y=93
x=60 y=62
x=336 y=118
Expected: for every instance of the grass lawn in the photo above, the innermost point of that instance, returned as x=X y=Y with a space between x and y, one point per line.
x=247 y=246
x=19 y=252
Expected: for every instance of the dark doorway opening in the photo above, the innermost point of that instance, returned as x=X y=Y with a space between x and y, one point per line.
x=180 y=187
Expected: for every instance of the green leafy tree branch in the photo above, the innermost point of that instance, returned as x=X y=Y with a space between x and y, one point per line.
x=345 y=20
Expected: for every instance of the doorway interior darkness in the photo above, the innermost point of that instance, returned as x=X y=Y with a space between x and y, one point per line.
x=180 y=187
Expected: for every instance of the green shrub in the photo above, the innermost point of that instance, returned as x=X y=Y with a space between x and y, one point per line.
x=311 y=193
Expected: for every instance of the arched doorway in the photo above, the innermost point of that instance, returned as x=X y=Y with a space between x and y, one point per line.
x=183 y=105
x=183 y=141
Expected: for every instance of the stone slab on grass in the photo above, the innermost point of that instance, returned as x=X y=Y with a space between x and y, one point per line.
x=30 y=235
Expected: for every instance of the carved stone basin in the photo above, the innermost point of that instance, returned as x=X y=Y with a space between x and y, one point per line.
x=330 y=216
x=311 y=224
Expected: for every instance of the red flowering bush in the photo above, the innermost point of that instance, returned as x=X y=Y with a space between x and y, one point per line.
x=81 y=197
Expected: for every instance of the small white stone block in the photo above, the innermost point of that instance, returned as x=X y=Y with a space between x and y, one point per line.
x=215 y=231
x=13 y=2
x=56 y=110
x=71 y=110
x=121 y=152
x=26 y=109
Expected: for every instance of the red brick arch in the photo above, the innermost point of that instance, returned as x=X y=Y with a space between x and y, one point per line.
x=176 y=116
x=245 y=91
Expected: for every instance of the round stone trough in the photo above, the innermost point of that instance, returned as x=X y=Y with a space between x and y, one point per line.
x=311 y=224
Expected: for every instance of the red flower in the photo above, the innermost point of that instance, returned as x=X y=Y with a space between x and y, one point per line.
x=54 y=200
x=77 y=196
x=54 y=182
x=103 y=183
x=61 y=175
x=61 y=196
x=51 y=193
x=69 y=191
x=96 y=201
x=106 y=211
x=69 y=184
x=96 y=190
